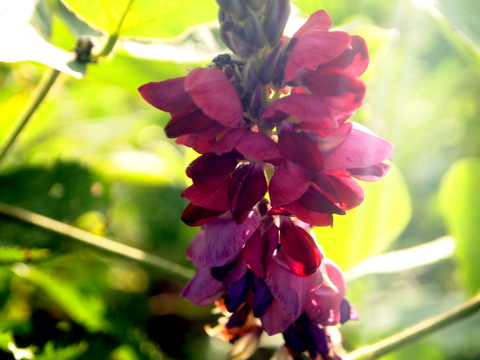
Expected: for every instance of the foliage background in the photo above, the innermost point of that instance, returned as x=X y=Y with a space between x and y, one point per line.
x=95 y=156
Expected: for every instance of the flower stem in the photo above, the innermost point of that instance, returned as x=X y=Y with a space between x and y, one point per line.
x=416 y=332
x=166 y=266
x=36 y=99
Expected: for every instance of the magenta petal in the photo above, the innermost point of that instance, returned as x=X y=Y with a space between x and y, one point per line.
x=215 y=95
x=313 y=49
x=301 y=252
x=340 y=89
x=276 y=320
x=216 y=200
x=361 y=148
x=285 y=188
x=222 y=241
x=197 y=215
x=319 y=20
x=288 y=289
x=209 y=170
x=355 y=59
x=188 y=123
x=304 y=107
x=347 y=191
x=259 y=250
x=203 y=289
x=168 y=95
x=250 y=144
x=246 y=187
x=309 y=216
x=323 y=307
x=301 y=149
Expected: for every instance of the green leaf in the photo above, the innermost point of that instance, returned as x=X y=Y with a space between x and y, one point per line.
x=10 y=255
x=463 y=16
x=21 y=42
x=151 y=18
x=198 y=43
x=87 y=310
x=71 y=352
x=371 y=227
x=459 y=199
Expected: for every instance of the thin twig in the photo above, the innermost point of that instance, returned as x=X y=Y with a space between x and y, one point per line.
x=100 y=242
x=36 y=99
x=416 y=331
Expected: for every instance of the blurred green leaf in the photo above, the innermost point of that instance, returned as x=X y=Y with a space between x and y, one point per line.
x=463 y=16
x=87 y=310
x=51 y=351
x=151 y=18
x=370 y=228
x=20 y=41
x=10 y=255
x=459 y=198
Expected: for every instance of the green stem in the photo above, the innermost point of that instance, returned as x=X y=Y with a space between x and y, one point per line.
x=112 y=38
x=415 y=332
x=99 y=242
x=36 y=99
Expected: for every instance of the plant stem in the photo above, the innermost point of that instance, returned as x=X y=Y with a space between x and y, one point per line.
x=416 y=332
x=166 y=266
x=36 y=99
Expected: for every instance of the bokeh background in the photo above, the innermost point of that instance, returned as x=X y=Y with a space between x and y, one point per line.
x=95 y=156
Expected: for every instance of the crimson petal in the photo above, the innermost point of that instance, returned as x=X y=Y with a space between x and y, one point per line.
x=215 y=95
x=302 y=253
x=301 y=149
x=168 y=95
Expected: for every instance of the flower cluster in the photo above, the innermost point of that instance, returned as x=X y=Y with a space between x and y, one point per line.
x=277 y=156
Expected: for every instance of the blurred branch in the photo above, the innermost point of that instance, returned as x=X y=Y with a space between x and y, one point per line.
x=416 y=332
x=36 y=99
x=100 y=242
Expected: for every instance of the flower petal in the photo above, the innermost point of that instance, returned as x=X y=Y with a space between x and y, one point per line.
x=302 y=107
x=222 y=241
x=319 y=20
x=250 y=144
x=341 y=90
x=168 y=95
x=276 y=320
x=360 y=149
x=302 y=253
x=301 y=149
x=215 y=95
x=290 y=290
x=285 y=188
x=313 y=49
x=203 y=289
x=259 y=250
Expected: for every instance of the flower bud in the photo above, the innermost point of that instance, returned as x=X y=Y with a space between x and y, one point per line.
x=254 y=31
x=276 y=16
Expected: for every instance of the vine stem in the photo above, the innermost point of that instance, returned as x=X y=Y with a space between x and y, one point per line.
x=36 y=99
x=165 y=266
x=416 y=331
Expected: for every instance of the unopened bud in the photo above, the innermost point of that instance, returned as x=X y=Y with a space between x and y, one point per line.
x=276 y=16
x=254 y=30
x=270 y=67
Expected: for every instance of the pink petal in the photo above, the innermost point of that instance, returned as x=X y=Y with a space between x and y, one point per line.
x=196 y=215
x=222 y=241
x=361 y=148
x=215 y=95
x=313 y=49
x=319 y=20
x=250 y=144
x=168 y=95
x=303 y=107
x=340 y=188
x=203 y=289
